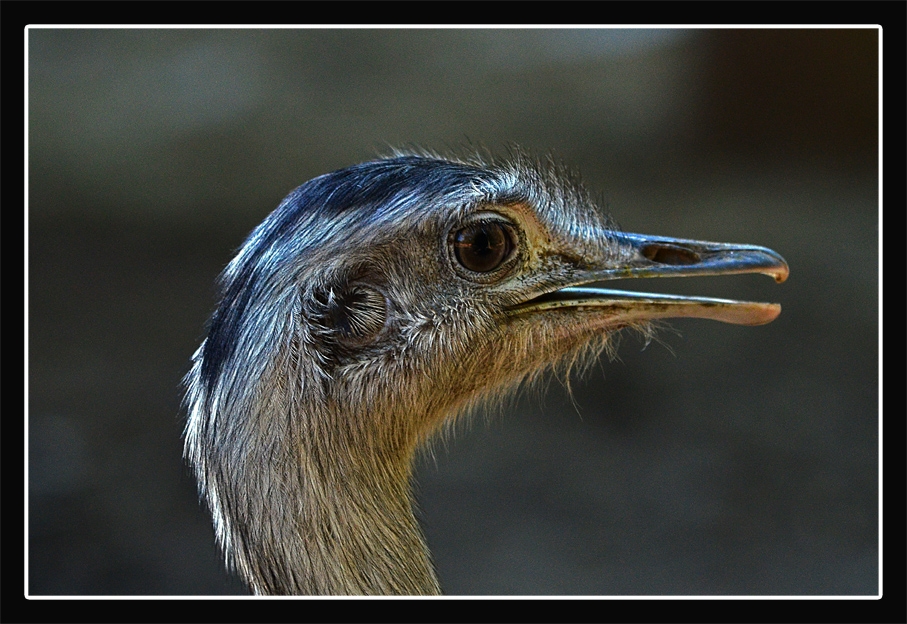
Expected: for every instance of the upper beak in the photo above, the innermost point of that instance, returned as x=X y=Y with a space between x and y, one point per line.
x=655 y=256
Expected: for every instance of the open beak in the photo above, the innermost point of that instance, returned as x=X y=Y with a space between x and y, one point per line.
x=655 y=256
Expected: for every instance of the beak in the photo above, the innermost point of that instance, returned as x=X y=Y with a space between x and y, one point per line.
x=656 y=256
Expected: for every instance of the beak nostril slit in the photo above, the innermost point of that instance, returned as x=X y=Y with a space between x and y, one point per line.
x=668 y=254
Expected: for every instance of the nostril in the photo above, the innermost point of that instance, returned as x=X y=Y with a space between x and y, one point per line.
x=668 y=254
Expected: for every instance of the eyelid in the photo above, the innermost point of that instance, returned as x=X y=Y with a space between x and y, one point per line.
x=486 y=216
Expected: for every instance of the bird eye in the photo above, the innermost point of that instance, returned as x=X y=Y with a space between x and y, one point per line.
x=483 y=247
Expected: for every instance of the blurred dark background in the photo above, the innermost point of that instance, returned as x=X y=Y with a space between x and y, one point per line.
x=717 y=460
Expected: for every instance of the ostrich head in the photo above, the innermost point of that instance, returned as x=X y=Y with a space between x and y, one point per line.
x=372 y=306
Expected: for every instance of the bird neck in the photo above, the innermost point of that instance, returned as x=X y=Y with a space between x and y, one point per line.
x=343 y=527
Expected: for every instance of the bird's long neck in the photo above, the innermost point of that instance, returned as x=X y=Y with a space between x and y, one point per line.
x=339 y=526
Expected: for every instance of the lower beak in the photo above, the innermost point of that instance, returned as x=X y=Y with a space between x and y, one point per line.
x=654 y=256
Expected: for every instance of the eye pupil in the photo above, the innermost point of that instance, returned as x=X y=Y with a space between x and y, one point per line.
x=483 y=247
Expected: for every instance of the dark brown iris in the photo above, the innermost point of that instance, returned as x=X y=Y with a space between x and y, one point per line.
x=483 y=247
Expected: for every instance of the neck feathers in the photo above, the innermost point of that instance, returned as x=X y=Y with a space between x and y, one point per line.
x=300 y=508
